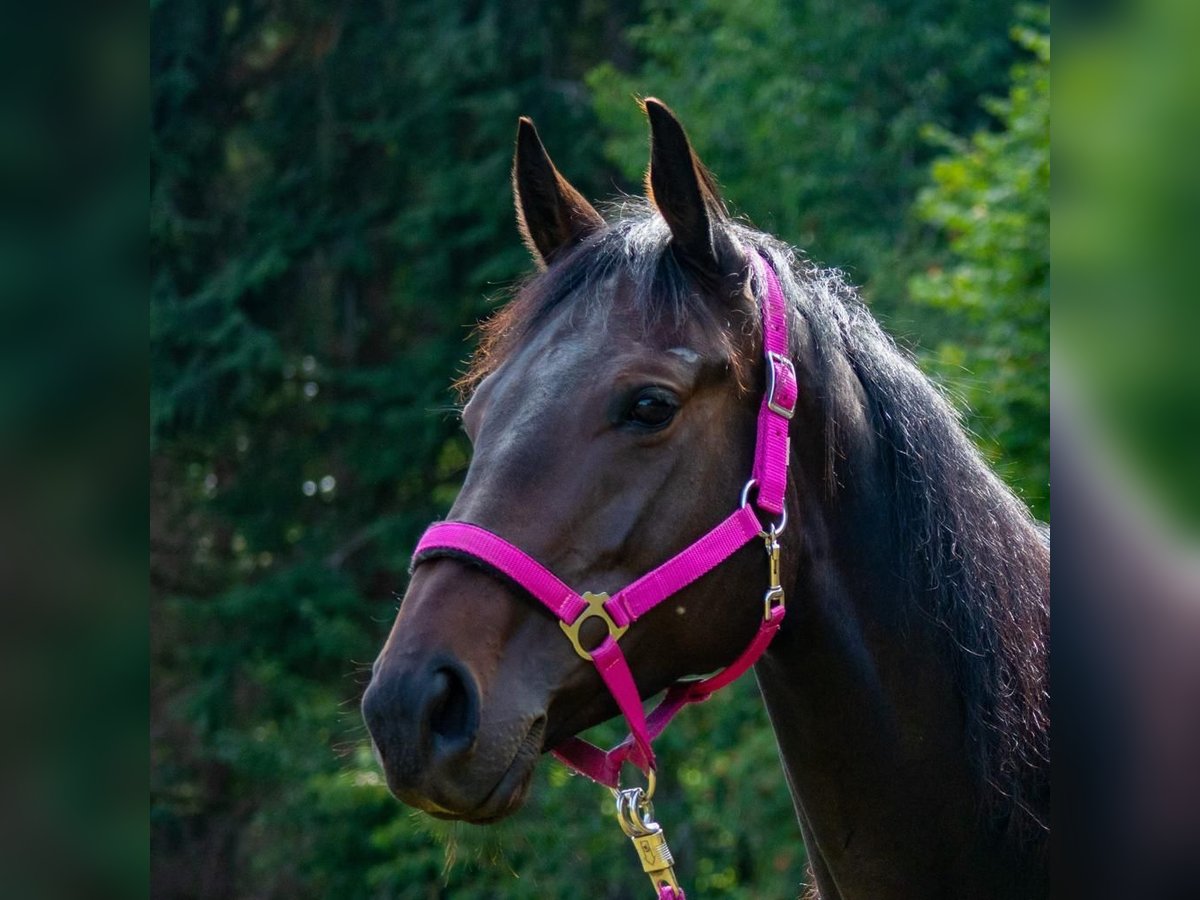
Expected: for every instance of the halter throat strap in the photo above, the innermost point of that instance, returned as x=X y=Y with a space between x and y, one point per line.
x=767 y=484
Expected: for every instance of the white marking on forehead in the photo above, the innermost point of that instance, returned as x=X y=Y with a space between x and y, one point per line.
x=689 y=356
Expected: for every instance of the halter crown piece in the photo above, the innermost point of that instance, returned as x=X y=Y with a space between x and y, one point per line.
x=618 y=612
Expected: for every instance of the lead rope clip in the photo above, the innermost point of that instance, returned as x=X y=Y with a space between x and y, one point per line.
x=774 y=598
x=635 y=814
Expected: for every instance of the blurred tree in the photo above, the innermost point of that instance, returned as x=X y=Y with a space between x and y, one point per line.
x=811 y=114
x=1125 y=311
x=991 y=196
x=329 y=209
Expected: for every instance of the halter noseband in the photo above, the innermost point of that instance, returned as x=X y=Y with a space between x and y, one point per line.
x=769 y=476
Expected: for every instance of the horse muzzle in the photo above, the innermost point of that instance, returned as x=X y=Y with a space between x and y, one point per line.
x=457 y=729
x=435 y=749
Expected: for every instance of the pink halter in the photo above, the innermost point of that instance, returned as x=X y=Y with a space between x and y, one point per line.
x=629 y=604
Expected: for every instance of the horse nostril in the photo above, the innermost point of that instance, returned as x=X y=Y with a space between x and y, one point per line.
x=452 y=710
x=421 y=717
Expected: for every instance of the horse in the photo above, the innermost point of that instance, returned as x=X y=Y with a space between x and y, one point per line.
x=612 y=410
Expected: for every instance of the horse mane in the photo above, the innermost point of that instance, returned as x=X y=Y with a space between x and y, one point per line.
x=977 y=563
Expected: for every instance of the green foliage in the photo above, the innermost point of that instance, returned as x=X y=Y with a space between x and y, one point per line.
x=991 y=197
x=1126 y=231
x=811 y=114
x=328 y=212
x=329 y=209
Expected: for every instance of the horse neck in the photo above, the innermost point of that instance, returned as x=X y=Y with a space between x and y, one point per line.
x=862 y=696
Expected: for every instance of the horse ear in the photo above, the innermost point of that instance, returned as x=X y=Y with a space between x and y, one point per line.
x=685 y=193
x=550 y=213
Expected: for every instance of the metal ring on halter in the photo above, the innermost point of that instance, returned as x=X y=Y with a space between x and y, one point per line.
x=647 y=792
x=752 y=483
x=635 y=813
x=780 y=525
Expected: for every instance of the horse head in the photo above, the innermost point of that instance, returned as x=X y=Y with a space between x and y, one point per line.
x=612 y=416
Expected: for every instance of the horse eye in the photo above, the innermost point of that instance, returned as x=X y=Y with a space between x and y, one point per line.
x=652 y=410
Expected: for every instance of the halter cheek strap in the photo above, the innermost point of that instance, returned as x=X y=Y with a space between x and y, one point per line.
x=617 y=613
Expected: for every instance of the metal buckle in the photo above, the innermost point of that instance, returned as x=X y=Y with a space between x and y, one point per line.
x=595 y=610
x=772 y=359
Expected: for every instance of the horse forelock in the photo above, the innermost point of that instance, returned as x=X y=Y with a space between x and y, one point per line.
x=633 y=252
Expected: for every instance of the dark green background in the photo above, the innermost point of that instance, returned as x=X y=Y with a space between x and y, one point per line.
x=330 y=213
